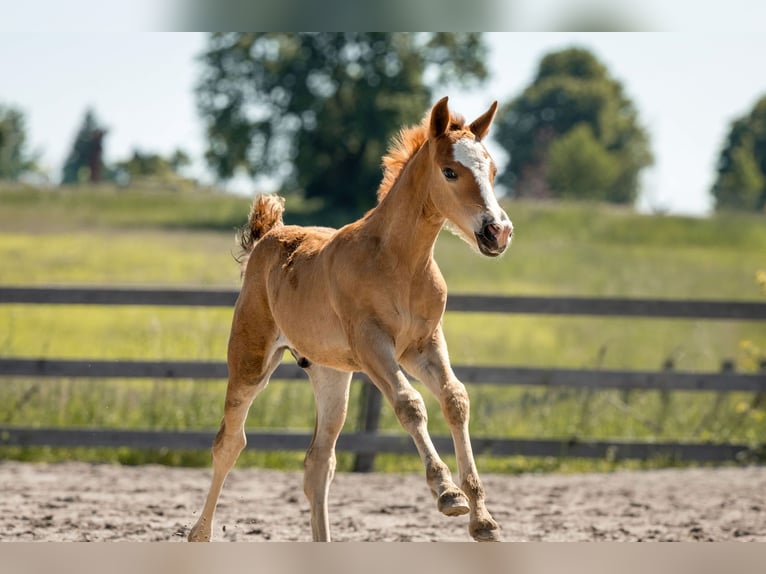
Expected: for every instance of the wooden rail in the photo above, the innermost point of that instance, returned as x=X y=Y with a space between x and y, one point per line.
x=579 y=378
x=367 y=442
x=601 y=306
x=376 y=443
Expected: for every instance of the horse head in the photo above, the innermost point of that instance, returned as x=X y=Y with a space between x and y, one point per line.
x=463 y=176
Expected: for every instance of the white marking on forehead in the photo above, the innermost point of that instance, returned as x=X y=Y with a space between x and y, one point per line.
x=474 y=156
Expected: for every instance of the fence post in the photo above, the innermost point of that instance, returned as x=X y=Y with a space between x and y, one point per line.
x=369 y=420
x=665 y=396
x=758 y=398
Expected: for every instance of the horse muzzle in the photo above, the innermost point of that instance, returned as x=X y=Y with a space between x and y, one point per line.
x=494 y=237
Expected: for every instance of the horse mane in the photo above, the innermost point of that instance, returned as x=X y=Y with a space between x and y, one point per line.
x=403 y=146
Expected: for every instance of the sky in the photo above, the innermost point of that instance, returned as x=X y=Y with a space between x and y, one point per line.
x=687 y=86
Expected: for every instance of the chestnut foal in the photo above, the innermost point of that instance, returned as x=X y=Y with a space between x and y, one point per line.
x=368 y=297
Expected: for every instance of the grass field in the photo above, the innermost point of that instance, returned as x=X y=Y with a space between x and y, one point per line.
x=109 y=236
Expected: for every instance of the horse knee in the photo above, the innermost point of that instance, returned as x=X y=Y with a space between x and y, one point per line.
x=411 y=410
x=456 y=406
x=226 y=446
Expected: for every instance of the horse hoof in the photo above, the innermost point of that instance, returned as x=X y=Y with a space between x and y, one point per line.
x=488 y=531
x=195 y=538
x=452 y=503
x=197 y=535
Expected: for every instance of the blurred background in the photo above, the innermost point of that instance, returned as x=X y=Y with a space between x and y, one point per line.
x=632 y=165
x=660 y=114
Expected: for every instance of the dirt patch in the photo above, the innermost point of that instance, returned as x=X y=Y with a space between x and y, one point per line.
x=82 y=502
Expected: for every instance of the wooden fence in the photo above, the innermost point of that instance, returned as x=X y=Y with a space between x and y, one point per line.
x=366 y=441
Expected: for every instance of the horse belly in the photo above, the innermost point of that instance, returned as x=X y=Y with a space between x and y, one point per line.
x=312 y=328
x=322 y=345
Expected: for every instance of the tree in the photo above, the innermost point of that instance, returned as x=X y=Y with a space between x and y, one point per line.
x=317 y=110
x=179 y=160
x=572 y=102
x=579 y=167
x=14 y=157
x=153 y=169
x=144 y=164
x=86 y=159
x=741 y=178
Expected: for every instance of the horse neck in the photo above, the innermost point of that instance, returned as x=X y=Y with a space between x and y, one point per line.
x=405 y=219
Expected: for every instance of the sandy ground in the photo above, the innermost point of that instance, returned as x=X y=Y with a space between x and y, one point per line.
x=86 y=502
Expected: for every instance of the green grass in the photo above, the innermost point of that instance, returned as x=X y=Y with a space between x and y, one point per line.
x=106 y=208
x=591 y=249
x=110 y=236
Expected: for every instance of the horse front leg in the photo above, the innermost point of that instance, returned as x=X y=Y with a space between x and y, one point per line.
x=431 y=366
x=377 y=357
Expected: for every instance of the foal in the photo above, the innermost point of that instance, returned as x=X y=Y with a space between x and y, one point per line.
x=368 y=297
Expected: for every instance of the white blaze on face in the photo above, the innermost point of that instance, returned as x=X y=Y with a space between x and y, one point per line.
x=473 y=155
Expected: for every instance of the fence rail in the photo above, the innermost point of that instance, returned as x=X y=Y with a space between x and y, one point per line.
x=376 y=443
x=367 y=442
x=516 y=376
x=601 y=306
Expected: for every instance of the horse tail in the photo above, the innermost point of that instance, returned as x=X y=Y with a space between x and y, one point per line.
x=265 y=215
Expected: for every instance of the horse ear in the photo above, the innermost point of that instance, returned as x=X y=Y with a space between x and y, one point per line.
x=439 y=118
x=480 y=126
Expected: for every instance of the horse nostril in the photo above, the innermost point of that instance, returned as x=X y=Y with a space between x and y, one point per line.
x=500 y=233
x=492 y=230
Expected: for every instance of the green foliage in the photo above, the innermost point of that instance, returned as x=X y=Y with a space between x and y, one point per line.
x=579 y=167
x=14 y=157
x=142 y=164
x=150 y=169
x=741 y=180
x=572 y=90
x=85 y=161
x=317 y=110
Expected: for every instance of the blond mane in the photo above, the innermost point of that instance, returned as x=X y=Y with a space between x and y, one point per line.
x=403 y=146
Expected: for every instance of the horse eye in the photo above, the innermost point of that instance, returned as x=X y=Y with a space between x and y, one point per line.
x=449 y=174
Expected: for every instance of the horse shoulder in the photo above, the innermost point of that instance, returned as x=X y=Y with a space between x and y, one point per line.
x=432 y=290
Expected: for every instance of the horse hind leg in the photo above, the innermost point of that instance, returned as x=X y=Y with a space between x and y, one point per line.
x=331 y=389
x=249 y=374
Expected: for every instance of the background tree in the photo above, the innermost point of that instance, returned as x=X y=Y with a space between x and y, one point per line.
x=14 y=157
x=572 y=133
x=151 y=169
x=317 y=110
x=579 y=166
x=86 y=159
x=145 y=164
x=741 y=179
x=179 y=160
